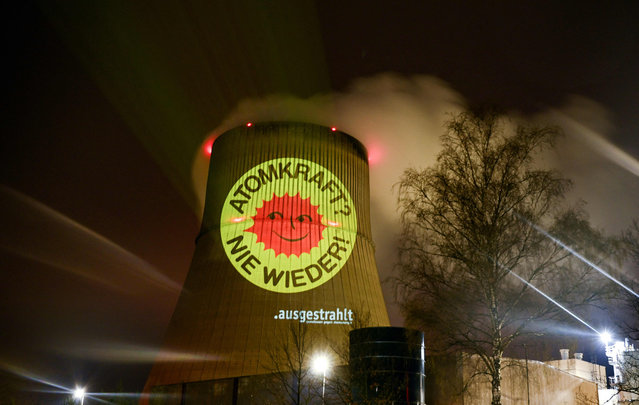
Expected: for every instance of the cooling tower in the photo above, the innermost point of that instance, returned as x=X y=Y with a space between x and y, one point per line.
x=285 y=238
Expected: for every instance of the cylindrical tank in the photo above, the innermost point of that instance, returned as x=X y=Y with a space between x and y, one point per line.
x=387 y=366
x=285 y=239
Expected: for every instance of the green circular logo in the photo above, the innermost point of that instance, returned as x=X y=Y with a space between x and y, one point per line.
x=288 y=225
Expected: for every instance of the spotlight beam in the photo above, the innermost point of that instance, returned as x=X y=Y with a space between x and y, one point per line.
x=553 y=301
x=21 y=211
x=580 y=257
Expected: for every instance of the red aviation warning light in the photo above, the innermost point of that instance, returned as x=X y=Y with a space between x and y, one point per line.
x=207 y=148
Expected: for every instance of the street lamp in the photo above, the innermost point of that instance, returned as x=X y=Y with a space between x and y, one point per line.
x=605 y=337
x=320 y=365
x=79 y=393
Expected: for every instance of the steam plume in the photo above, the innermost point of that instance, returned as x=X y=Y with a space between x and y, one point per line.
x=400 y=119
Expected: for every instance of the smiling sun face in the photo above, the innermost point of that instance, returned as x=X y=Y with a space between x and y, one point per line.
x=288 y=225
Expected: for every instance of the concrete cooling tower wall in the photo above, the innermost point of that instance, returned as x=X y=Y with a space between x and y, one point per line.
x=285 y=239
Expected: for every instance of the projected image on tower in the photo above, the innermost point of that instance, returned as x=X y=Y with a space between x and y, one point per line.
x=288 y=225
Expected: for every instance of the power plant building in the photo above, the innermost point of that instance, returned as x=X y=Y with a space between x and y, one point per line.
x=285 y=239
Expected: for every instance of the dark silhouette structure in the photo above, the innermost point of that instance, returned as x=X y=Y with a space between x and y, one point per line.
x=387 y=366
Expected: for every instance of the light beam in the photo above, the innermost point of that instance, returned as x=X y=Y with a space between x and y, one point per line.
x=58 y=232
x=553 y=301
x=580 y=257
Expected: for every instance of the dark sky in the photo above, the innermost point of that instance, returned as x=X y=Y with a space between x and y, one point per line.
x=107 y=104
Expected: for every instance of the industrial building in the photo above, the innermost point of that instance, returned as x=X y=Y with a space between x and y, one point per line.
x=285 y=240
x=458 y=380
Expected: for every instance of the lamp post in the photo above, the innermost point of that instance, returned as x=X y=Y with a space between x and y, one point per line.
x=606 y=338
x=320 y=365
x=79 y=394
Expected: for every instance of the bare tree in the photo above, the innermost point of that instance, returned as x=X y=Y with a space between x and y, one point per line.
x=631 y=241
x=483 y=236
x=341 y=377
x=628 y=387
x=290 y=360
x=293 y=381
x=629 y=366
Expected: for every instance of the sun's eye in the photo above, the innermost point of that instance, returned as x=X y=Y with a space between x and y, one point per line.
x=274 y=214
x=303 y=218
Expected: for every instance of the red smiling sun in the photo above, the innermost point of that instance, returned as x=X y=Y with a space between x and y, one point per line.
x=288 y=225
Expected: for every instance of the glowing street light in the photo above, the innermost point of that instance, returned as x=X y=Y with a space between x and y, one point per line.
x=605 y=337
x=320 y=365
x=79 y=393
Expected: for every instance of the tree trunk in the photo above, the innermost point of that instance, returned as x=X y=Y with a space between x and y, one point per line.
x=496 y=380
x=497 y=350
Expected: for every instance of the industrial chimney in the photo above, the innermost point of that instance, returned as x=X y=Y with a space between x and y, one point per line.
x=285 y=239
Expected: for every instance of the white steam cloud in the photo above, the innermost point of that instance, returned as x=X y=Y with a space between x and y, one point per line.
x=400 y=119
x=604 y=176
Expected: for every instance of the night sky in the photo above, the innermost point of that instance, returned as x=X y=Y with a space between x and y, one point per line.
x=108 y=106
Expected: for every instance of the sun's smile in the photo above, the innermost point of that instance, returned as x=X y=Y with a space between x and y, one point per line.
x=290 y=240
